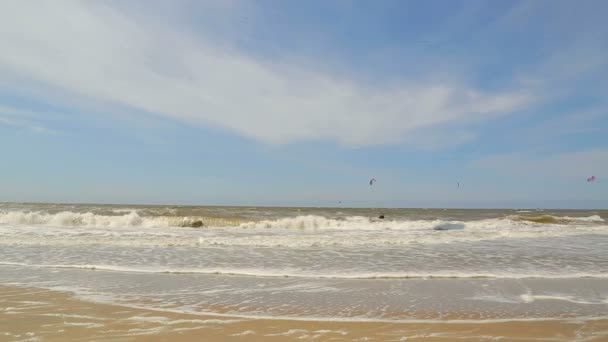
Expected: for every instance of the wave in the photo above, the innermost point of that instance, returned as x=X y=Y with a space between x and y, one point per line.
x=131 y=218
x=549 y=219
x=131 y=230
x=309 y=275
x=315 y=222
x=123 y=218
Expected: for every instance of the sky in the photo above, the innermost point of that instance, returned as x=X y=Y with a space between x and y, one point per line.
x=300 y=103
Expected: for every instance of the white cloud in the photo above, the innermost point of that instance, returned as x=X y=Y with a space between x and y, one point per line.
x=91 y=51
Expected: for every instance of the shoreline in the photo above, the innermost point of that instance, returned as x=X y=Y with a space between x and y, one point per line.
x=34 y=314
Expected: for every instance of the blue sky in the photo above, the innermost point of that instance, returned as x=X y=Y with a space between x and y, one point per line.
x=301 y=102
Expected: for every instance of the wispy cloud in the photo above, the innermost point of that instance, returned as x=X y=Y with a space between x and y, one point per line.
x=21 y=119
x=107 y=55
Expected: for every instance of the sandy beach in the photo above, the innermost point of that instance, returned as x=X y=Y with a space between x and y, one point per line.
x=31 y=314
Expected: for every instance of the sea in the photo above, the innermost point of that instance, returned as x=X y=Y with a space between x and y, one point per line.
x=329 y=264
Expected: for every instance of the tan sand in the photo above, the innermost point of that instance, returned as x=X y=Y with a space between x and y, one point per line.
x=42 y=315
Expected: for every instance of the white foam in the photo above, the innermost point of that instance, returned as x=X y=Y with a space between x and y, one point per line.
x=72 y=316
x=364 y=319
x=166 y=321
x=592 y=218
x=245 y=333
x=144 y=331
x=290 y=332
x=281 y=273
x=131 y=218
x=130 y=229
x=123 y=218
x=84 y=325
x=204 y=321
x=235 y=317
x=530 y=298
x=149 y=319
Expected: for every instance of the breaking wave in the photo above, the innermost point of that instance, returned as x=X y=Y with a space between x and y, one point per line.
x=549 y=219
x=133 y=219
x=131 y=229
x=122 y=219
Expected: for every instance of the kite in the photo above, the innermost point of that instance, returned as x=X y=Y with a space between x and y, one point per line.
x=591 y=179
x=372 y=181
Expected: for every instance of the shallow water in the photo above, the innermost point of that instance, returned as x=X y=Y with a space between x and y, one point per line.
x=315 y=263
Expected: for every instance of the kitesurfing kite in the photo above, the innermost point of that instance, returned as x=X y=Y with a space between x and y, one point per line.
x=591 y=179
x=372 y=181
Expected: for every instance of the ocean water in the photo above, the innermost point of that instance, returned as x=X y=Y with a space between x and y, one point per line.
x=316 y=263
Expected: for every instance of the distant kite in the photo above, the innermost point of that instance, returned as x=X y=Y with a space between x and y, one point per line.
x=458 y=184
x=372 y=181
x=591 y=179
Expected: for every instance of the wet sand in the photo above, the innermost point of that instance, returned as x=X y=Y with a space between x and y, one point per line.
x=30 y=314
